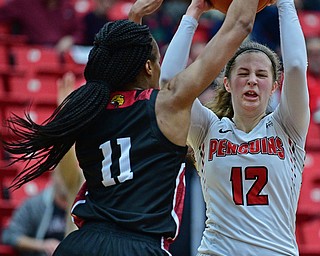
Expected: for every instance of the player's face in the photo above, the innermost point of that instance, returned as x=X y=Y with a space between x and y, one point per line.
x=251 y=82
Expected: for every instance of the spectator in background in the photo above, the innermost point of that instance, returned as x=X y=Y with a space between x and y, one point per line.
x=313 y=72
x=38 y=225
x=46 y=22
x=310 y=23
x=163 y=23
x=313 y=5
x=94 y=20
x=266 y=28
x=43 y=220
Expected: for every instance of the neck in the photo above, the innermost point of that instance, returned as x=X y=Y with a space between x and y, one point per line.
x=247 y=124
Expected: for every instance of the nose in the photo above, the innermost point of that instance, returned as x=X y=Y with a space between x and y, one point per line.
x=252 y=80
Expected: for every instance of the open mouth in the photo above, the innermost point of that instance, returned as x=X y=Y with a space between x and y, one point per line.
x=251 y=95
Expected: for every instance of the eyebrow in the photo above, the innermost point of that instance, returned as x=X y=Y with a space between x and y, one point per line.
x=246 y=69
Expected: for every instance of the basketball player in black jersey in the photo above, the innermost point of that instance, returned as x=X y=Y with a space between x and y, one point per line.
x=130 y=137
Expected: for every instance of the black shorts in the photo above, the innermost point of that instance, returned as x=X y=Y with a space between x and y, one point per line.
x=106 y=239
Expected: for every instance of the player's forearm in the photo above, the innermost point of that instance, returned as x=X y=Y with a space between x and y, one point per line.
x=25 y=243
x=294 y=96
x=177 y=54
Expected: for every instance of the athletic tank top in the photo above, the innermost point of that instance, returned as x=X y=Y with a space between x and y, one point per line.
x=134 y=174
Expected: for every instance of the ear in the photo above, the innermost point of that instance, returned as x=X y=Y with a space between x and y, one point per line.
x=148 y=67
x=274 y=87
x=226 y=84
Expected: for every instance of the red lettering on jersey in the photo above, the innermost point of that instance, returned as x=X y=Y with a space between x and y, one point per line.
x=270 y=146
x=231 y=148
x=243 y=148
x=254 y=146
x=264 y=148
x=280 y=149
x=222 y=148
x=212 y=148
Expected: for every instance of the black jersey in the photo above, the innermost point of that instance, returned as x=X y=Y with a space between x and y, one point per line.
x=134 y=174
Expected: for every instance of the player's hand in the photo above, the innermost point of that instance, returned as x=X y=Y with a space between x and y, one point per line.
x=66 y=85
x=50 y=245
x=143 y=8
x=272 y=2
x=64 y=44
x=198 y=7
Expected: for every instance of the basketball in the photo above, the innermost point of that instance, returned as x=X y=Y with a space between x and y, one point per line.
x=223 y=5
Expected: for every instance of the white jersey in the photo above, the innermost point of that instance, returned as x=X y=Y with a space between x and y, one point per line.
x=250 y=183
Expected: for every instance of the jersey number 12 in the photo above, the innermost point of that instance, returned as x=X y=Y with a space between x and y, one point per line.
x=253 y=196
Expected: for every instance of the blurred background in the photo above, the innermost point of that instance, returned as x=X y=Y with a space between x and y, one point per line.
x=43 y=40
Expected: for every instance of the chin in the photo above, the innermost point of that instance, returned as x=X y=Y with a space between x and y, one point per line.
x=251 y=106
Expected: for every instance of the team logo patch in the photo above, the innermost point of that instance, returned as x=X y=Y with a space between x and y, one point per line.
x=117 y=100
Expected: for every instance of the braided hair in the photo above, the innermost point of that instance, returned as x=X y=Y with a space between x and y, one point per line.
x=120 y=50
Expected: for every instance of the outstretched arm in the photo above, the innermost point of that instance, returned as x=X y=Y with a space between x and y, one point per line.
x=236 y=27
x=294 y=104
x=176 y=97
x=177 y=54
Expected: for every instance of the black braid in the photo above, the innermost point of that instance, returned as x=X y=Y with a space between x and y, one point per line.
x=120 y=50
x=49 y=142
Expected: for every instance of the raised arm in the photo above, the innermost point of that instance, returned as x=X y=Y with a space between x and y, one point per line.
x=294 y=104
x=177 y=53
x=236 y=27
x=176 y=97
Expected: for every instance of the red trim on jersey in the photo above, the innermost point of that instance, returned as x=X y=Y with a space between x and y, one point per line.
x=179 y=204
x=123 y=99
x=81 y=196
x=181 y=191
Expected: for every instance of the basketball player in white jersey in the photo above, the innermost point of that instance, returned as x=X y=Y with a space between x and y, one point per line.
x=250 y=161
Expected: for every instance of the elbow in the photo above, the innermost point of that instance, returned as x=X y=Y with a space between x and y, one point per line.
x=245 y=25
x=295 y=67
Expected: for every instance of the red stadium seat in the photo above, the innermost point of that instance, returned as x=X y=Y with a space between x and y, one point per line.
x=42 y=60
x=7 y=250
x=31 y=188
x=313 y=137
x=28 y=56
x=308 y=212
x=309 y=202
x=6 y=209
x=38 y=114
x=39 y=108
x=40 y=86
x=310 y=22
